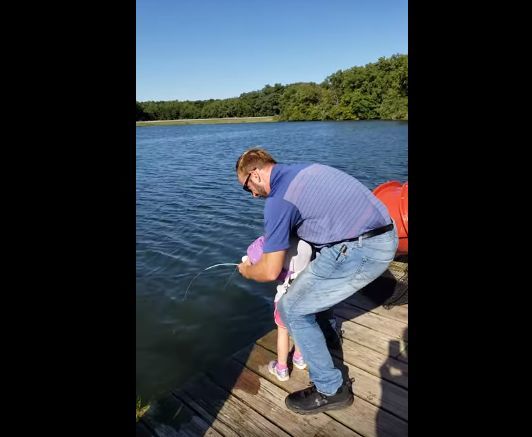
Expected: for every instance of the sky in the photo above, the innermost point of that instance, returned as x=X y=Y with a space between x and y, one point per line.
x=217 y=49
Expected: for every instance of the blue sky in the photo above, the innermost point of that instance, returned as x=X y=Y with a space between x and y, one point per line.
x=202 y=49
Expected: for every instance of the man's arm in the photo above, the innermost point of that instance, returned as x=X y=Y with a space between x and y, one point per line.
x=266 y=270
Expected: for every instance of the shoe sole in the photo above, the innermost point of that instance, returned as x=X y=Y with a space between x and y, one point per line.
x=335 y=406
x=303 y=367
x=285 y=378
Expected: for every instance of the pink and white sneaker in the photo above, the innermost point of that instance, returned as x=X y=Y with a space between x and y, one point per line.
x=280 y=373
x=299 y=362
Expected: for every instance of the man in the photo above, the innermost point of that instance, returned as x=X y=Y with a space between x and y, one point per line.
x=355 y=239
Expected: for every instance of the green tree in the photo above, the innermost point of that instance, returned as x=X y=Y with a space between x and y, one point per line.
x=376 y=90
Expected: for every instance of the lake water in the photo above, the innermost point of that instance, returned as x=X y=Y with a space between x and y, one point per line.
x=192 y=213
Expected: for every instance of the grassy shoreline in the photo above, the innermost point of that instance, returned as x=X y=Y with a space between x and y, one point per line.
x=208 y=121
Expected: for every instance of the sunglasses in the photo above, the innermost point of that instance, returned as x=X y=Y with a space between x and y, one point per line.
x=245 y=186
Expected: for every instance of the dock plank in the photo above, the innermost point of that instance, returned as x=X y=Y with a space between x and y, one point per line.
x=169 y=417
x=214 y=422
x=372 y=320
x=230 y=410
x=365 y=302
x=362 y=417
x=375 y=363
x=263 y=396
x=375 y=390
x=378 y=341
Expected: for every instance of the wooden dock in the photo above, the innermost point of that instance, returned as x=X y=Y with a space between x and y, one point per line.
x=241 y=398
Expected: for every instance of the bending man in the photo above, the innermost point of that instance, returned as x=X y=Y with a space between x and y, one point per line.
x=355 y=240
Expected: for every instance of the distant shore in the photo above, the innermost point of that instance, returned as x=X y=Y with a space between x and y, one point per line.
x=208 y=121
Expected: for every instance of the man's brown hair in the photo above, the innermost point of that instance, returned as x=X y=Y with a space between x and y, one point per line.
x=253 y=158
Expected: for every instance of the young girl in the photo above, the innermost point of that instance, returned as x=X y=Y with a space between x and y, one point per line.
x=297 y=258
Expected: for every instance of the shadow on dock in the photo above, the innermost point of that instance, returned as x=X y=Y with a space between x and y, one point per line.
x=389 y=372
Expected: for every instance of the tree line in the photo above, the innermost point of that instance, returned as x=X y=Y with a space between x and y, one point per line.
x=377 y=90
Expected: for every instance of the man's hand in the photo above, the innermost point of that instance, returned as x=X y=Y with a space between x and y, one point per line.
x=243 y=267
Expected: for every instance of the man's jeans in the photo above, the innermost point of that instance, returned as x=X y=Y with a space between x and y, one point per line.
x=332 y=277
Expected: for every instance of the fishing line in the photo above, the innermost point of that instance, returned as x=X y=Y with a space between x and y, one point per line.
x=208 y=268
x=229 y=280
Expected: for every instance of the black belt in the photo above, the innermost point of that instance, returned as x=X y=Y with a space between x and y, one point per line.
x=368 y=234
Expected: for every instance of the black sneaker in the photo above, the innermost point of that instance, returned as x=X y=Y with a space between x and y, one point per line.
x=311 y=401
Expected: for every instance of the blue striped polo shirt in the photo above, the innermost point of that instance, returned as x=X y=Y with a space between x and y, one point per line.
x=320 y=203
